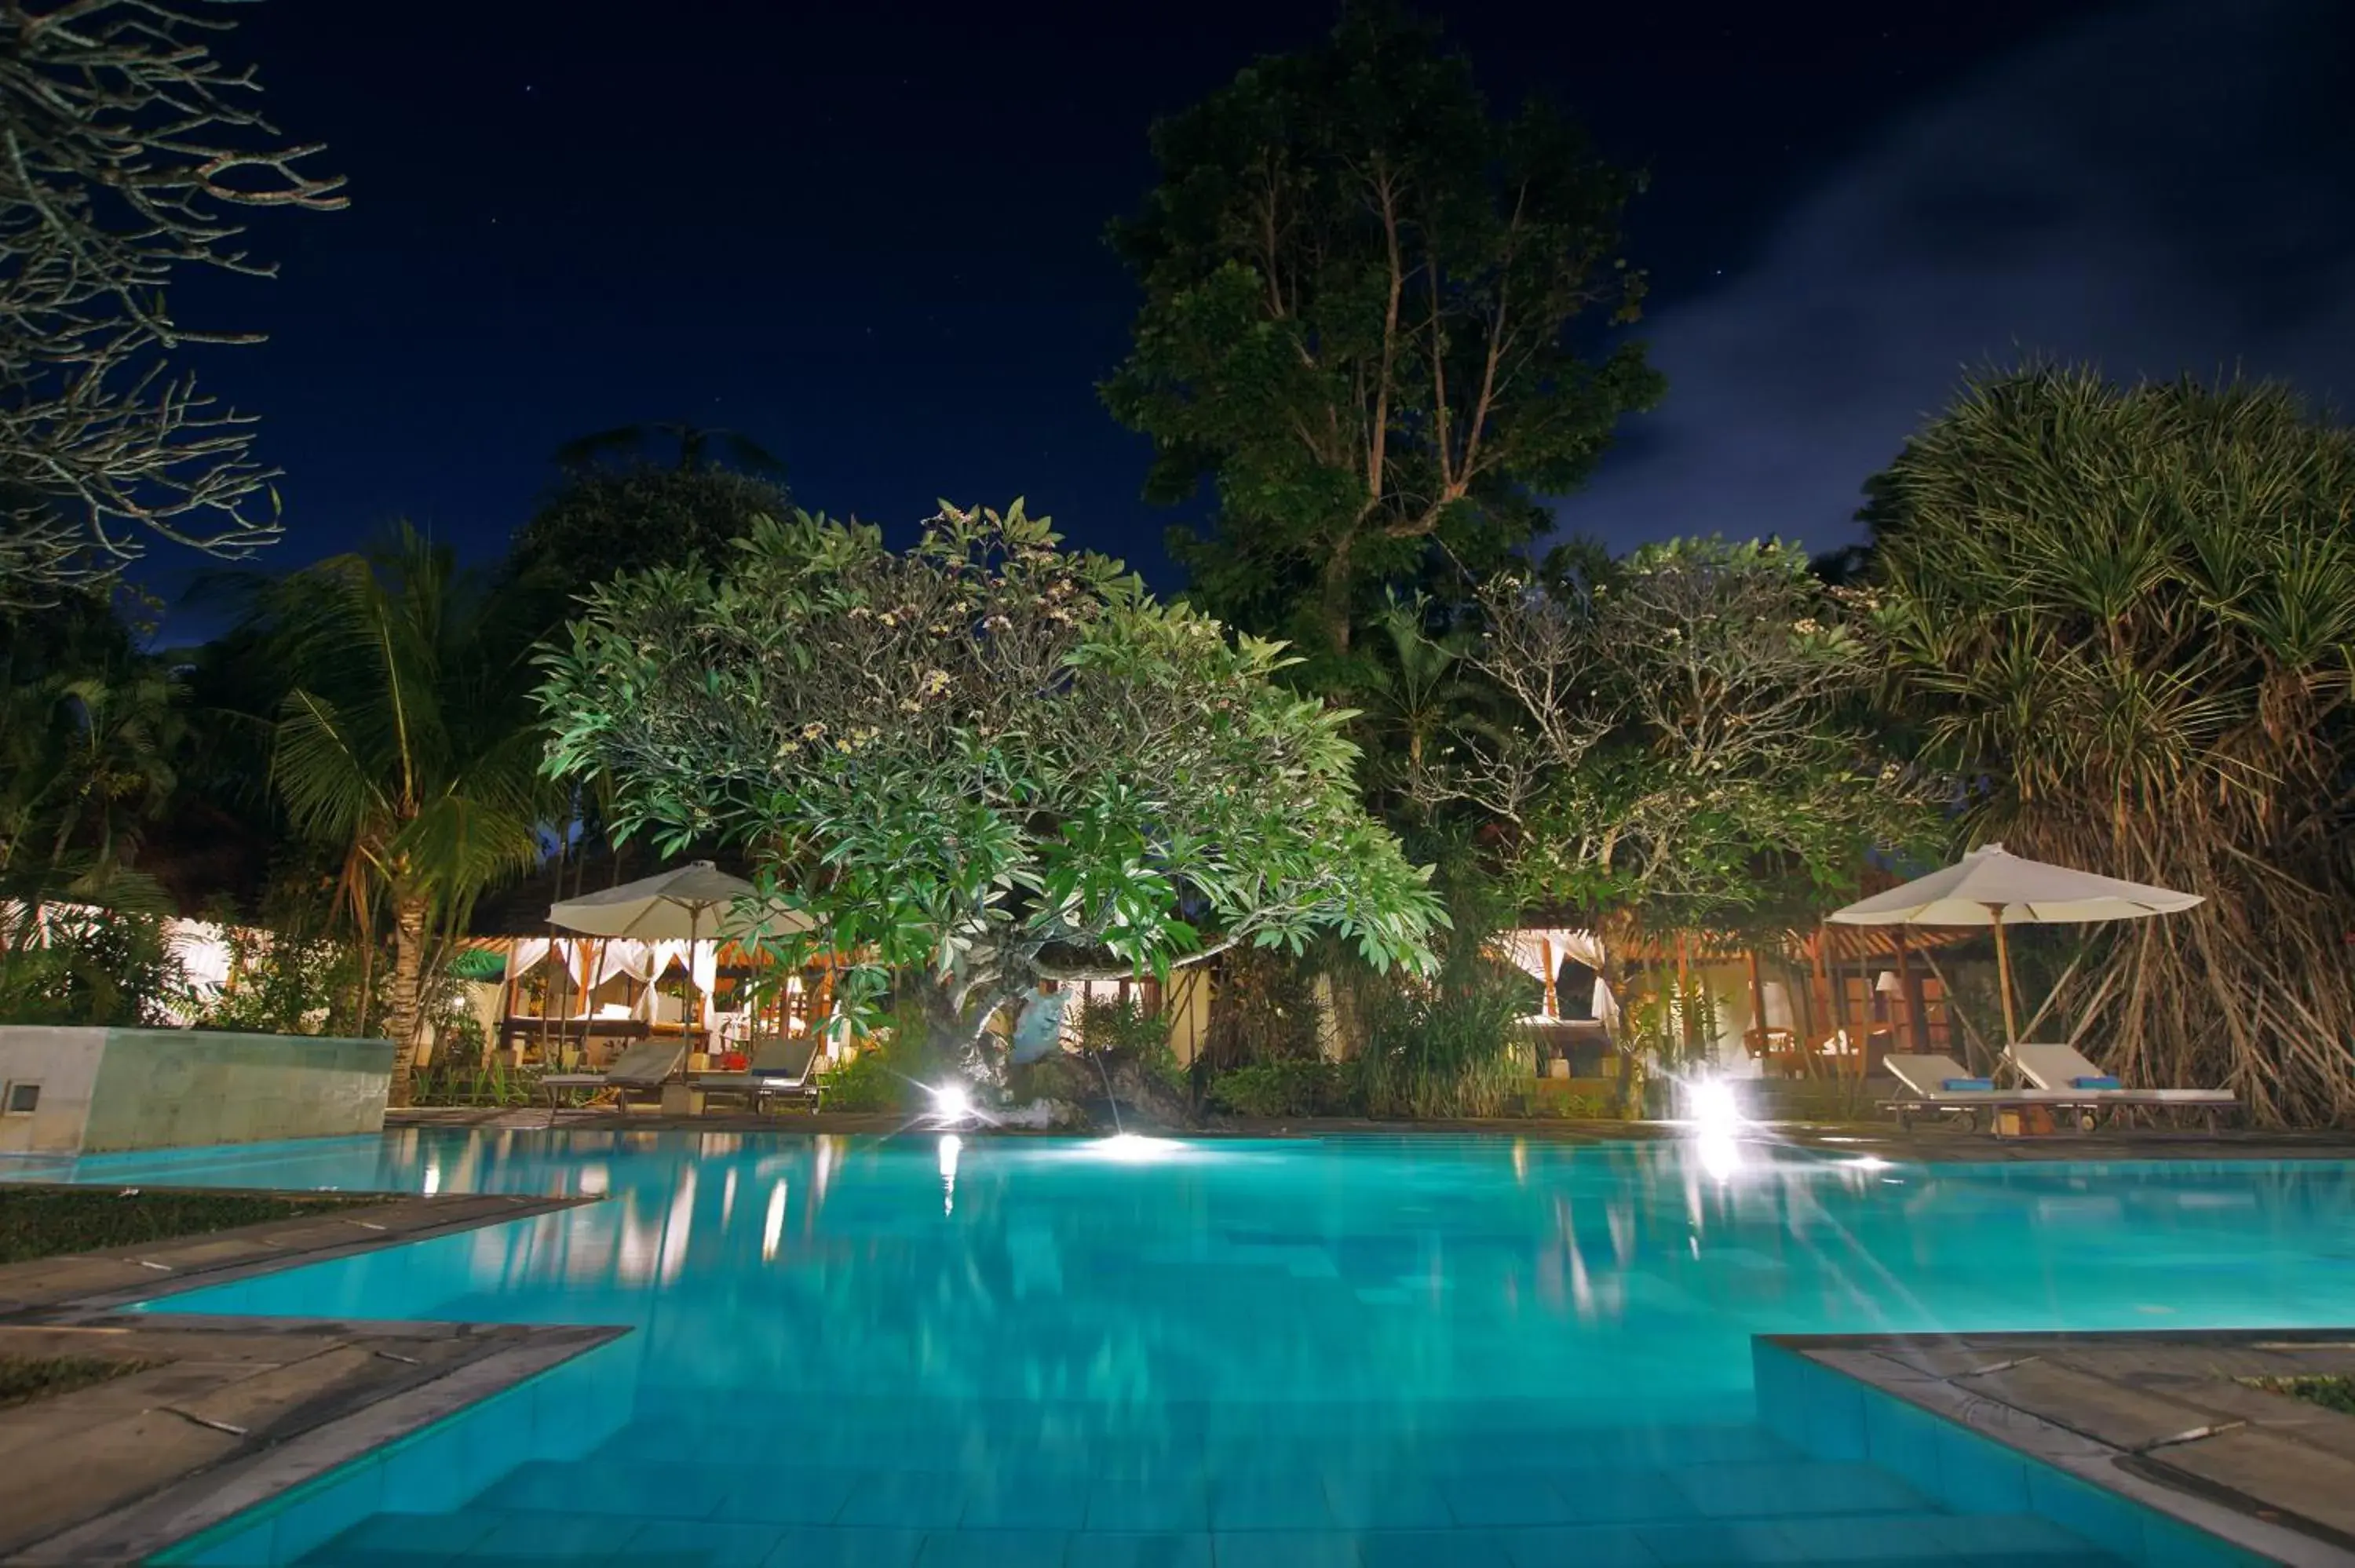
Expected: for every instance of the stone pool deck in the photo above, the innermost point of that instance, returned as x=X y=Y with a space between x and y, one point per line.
x=235 y=1410
x=2163 y=1420
x=1882 y=1139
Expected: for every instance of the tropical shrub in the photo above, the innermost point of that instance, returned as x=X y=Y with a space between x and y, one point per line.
x=1123 y=1024
x=288 y=984
x=865 y=1082
x=1283 y=1088
x=98 y=966
x=1451 y=1042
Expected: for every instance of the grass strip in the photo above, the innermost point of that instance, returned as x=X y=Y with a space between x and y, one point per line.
x=23 y=1379
x=2330 y=1393
x=49 y=1221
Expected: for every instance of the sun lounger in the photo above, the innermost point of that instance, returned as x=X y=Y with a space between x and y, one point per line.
x=781 y=1069
x=1938 y=1086
x=2061 y=1067
x=643 y=1067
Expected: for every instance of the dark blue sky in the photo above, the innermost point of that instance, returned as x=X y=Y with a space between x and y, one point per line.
x=869 y=236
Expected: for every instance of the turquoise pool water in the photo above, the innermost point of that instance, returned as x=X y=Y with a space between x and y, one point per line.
x=920 y=1351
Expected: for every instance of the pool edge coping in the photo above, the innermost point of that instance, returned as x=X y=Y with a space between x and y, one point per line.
x=266 y=1467
x=1877 y=1365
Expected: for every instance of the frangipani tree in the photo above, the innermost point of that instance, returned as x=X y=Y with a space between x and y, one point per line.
x=980 y=763
x=1689 y=746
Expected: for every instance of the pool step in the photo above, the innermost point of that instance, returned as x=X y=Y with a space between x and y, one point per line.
x=1322 y=1499
x=1098 y=1442
x=489 y=1538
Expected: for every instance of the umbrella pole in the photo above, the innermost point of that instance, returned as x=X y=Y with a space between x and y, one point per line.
x=2003 y=979
x=694 y=991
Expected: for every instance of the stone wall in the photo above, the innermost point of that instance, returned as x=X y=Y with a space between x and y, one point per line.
x=102 y=1090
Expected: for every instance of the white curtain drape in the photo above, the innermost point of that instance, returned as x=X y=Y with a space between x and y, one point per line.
x=1540 y=952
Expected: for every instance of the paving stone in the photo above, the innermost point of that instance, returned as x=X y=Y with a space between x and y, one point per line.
x=2112 y=1412
x=62 y=1483
x=262 y=1399
x=2272 y=1469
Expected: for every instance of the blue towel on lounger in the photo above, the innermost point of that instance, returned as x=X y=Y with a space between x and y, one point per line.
x=2104 y=1082
x=1969 y=1084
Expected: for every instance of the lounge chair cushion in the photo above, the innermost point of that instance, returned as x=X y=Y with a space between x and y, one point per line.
x=2100 y=1081
x=1969 y=1083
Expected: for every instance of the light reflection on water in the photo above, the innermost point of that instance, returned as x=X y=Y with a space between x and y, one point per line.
x=1305 y=1262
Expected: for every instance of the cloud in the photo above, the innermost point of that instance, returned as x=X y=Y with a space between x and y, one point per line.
x=2162 y=190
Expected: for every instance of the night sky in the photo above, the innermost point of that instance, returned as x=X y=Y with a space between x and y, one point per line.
x=871 y=236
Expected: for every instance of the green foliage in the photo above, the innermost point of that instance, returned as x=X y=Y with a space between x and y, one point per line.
x=23 y=1379
x=2331 y=1393
x=1123 y=1024
x=1263 y=1010
x=1669 y=1023
x=288 y=984
x=1450 y=1043
x=1283 y=1088
x=1692 y=742
x=407 y=747
x=95 y=967
x=473 y=1078
x=605 y=518
x=2123 y=619
x=45 y=1221
x=1364 y=294
x=865 y=1082
x=978 y=764
x=89 y=728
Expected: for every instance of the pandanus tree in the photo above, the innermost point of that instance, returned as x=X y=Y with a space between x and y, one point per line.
x=408 y=745
x=2124 y=619
x=978 y=764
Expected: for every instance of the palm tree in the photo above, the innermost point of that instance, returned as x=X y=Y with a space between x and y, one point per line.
x=89 y=727
x=407 y=744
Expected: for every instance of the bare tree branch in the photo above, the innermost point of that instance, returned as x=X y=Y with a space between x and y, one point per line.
x=122 y=145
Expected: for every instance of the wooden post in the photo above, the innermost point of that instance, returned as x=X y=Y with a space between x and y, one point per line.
x=1545 y=960
x=1684 y=1000
x=1827 y=971
x=1758 y=1008
x=1916 y=1028
x=2003 y=979
x=506 y=999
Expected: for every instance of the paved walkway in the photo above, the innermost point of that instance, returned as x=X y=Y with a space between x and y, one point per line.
x=239 y=1408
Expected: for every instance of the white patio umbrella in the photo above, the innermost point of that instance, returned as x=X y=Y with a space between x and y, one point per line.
x=1990 y=886
x=667 y=906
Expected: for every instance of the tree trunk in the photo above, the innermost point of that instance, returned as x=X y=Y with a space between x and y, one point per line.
x=956 y=1039
x=404 y=1015
x=1334 y=602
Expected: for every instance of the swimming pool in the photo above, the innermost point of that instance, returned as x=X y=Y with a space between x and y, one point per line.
x=1433 y=1350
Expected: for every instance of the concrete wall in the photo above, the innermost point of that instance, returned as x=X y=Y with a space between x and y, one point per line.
x=107 y=1089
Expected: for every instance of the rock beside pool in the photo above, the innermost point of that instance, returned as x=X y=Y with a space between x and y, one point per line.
x=1078 y=1084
